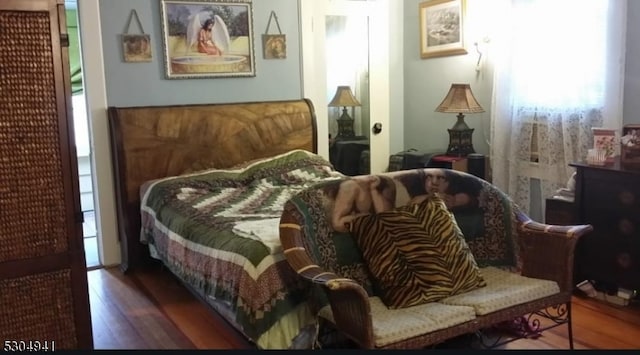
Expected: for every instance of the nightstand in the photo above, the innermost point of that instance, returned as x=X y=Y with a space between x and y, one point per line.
x=448 y=162
x=560 y=212
x=345 y=154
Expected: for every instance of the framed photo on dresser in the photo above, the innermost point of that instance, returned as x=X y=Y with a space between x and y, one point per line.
x=630 y=146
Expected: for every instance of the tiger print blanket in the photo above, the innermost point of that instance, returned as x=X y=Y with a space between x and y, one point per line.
x=217 y=230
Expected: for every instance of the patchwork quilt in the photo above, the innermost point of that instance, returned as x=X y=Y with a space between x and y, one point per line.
x=218 y=230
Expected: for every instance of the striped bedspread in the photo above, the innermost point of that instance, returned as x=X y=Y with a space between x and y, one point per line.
x=218 y=231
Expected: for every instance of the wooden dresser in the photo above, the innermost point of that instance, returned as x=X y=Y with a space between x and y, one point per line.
x=608 y=197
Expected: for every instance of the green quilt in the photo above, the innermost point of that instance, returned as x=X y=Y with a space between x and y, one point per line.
x=218 y=230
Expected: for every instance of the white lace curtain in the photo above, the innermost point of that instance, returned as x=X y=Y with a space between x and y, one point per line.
x=559 y=68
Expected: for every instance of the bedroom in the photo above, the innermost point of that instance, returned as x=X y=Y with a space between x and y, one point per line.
x=150 y=88
x=412 y=87
x=410 y=90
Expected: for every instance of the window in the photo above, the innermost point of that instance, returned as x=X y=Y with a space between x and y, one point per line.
x=558 y=73
x=559 y=53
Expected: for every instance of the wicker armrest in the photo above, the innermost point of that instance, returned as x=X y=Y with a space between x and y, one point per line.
x=348 y=299
x=547 y=251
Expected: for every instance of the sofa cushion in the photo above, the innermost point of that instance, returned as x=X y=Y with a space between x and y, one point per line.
x=416 y=253
x=503 y=290
x=393 y=325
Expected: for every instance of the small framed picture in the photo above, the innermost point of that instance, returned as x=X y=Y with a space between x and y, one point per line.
x=605 y=139
x=136 y=48
x=442 y=28
x=274 y=46
x=630 y=145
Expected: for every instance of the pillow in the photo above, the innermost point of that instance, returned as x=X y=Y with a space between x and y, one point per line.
x=416 y=253
x=199 y=165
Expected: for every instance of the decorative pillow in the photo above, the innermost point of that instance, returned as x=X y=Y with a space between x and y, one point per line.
x=416 y=254
x=273 y=167
x=199 y=165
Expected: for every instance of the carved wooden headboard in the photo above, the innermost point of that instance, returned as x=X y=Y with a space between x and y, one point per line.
x=157 y=141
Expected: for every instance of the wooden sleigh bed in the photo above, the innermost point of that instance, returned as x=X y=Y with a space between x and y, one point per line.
x=163 y=148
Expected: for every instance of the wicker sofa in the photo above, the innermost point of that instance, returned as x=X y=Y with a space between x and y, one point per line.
x=527 y=266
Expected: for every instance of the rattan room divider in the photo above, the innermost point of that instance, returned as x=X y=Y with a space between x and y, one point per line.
x=44 y=302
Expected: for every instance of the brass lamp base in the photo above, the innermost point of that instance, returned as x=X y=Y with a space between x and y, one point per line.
x=460 y=139
x=345 y=126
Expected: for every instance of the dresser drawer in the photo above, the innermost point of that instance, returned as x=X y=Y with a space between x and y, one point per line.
x=612 y=194
x=613 y=260
x=618 y=222
x=611 y=176
x=559 y=212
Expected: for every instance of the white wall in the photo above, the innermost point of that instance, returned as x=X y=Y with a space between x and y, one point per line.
x=96 y=99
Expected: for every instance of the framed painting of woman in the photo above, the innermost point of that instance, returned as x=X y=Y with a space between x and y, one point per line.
x=207 y=39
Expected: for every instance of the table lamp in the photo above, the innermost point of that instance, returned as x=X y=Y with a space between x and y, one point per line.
x=344 y=98
x=460 y=100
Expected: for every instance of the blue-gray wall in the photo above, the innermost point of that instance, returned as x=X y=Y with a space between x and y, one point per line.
x=426 y=81
x=140 y=84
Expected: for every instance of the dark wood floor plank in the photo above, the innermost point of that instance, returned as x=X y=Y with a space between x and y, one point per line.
x=133 y=315
x=103 y=337
x=596 y=325
x=151 y=309
x=119 y=321
x=154 y=326
x=619 y=326
x=108 y=319
x=555 y=338
x=627 y=314
x=193 y=318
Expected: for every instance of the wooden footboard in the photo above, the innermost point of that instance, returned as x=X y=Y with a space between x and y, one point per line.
x=154 y=142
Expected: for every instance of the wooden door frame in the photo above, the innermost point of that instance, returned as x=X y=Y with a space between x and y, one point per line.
x=380 y=57
x=96 y=100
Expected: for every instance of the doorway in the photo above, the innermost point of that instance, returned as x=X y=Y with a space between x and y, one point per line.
x=83 y=147
x=347 y=60
x=82 y=140
x=324 y=61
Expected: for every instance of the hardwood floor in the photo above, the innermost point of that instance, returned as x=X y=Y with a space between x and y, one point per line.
x=150 y=309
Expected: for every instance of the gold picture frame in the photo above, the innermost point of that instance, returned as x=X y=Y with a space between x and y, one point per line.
x=630 y=146
x=136 y=48
x=442 y=28
x=195 y=48
x=274 y=46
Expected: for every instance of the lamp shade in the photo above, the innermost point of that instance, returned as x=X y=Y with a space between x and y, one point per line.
x=344 y=97
x=460 y=99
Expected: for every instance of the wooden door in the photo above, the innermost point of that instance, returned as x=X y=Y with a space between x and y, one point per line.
x=43 y=279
